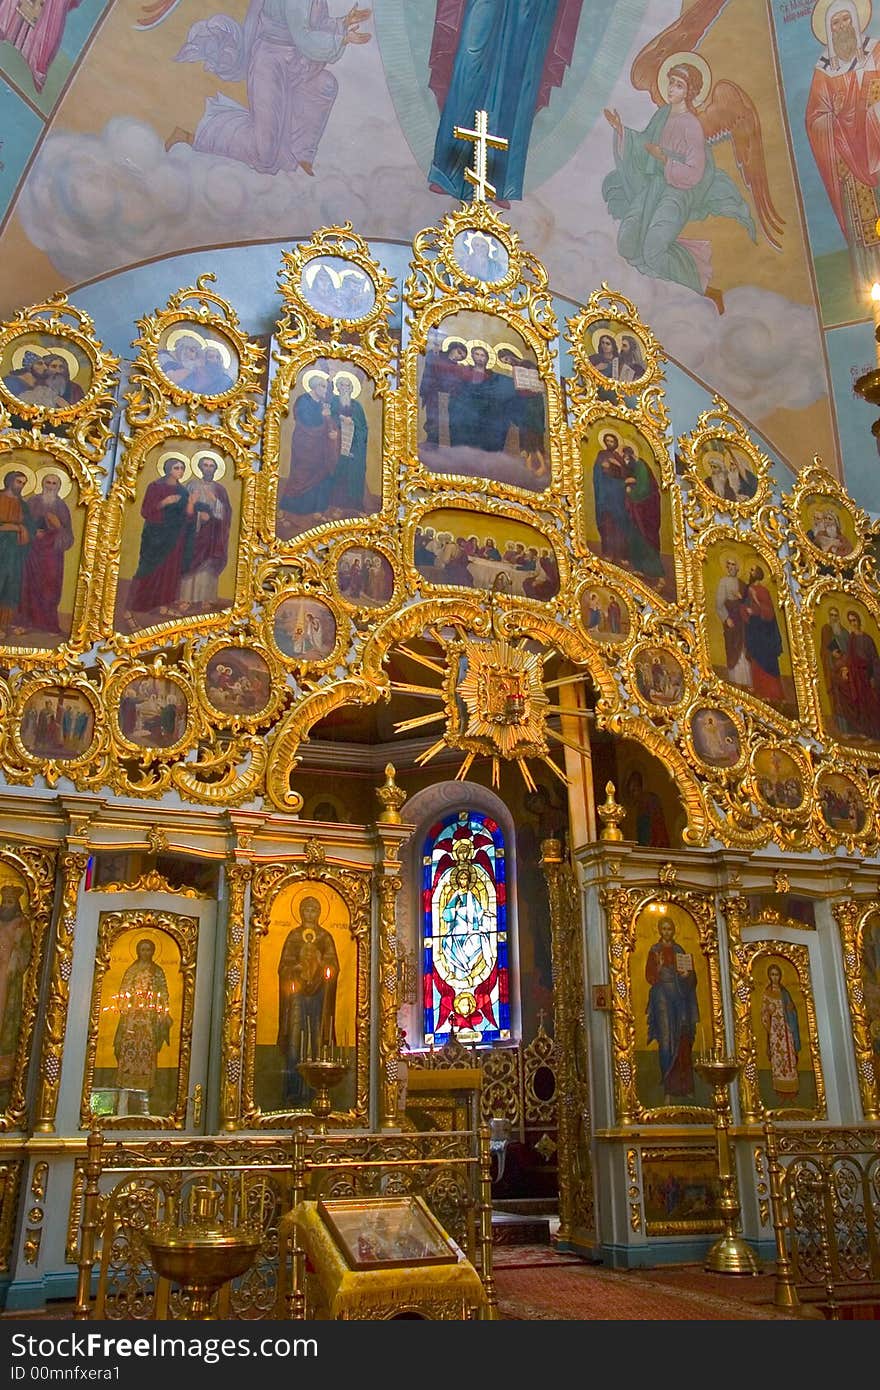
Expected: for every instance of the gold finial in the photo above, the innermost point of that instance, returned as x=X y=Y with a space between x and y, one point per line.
x=391 y=797
x=610 y=813
x=482 y=140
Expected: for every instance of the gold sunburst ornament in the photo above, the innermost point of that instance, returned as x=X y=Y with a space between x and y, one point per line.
x=502 y=690
x=495 y=703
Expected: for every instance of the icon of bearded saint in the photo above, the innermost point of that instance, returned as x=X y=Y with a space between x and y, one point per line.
x=665 y=176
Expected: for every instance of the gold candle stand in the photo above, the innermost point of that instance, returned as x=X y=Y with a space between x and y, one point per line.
x=730 y=1254
x=322 y=1074
x=868 y=387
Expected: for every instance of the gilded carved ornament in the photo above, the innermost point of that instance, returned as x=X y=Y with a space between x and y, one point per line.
x=194 y=354
x=723 y=469
x=828 y=532
x=855 y=919
x=79 y=398
x=611 y=314
x=197 y=380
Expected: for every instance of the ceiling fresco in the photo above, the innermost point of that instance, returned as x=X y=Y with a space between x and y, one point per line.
x=693 y=155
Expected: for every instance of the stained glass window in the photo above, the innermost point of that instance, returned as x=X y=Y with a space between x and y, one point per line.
x=464 y=914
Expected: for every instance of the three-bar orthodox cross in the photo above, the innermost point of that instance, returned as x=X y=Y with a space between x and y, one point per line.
x=483 y=189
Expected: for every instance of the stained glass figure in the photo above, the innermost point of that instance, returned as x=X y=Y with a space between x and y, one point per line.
x=464 y=914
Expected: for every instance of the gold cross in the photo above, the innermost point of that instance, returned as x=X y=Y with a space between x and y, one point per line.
x=483 y=189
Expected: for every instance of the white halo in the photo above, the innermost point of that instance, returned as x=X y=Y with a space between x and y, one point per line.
x=174 y=454
x=347 y=376
x=70 y=359
x=318 y=264
x=209 y=454
x=311 y=374
x=61 y=473
x=176 y=334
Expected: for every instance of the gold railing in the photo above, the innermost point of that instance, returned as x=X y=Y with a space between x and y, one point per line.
x=825 y=1199
x=122 y=1190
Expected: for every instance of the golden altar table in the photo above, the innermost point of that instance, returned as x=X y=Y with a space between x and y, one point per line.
x=449 y=1291
x=444 y=1098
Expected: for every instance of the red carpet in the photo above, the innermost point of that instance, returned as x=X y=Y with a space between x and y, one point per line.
x=591 y=1293
x=530 y=1257
x=536 y=1284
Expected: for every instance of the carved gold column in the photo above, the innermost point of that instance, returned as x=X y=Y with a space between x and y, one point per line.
x=73 y=866
x=90 y=1217
x=389 y=1050
x=850 y=917
x=238 y=874
x=390 y=835
x=576 y=1202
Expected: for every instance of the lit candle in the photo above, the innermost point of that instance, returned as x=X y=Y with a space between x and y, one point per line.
x=702 y=1042
x=875 y=306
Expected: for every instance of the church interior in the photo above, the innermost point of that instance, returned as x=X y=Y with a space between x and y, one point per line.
x=439 y=657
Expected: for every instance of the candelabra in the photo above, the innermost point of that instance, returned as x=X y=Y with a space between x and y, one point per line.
x=868 y=387
x=868 y=384
x=322 y=1073
x=730 y=1254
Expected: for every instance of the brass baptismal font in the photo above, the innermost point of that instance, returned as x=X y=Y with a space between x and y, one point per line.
x=204 y=1254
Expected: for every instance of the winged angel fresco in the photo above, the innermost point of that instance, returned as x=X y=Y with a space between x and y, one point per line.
x=665 y=177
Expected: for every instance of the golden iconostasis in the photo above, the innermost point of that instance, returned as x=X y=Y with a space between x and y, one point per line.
x=438 y=544
x=193 y=581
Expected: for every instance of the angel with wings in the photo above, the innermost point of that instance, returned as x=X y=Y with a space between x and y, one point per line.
x=665 y=176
